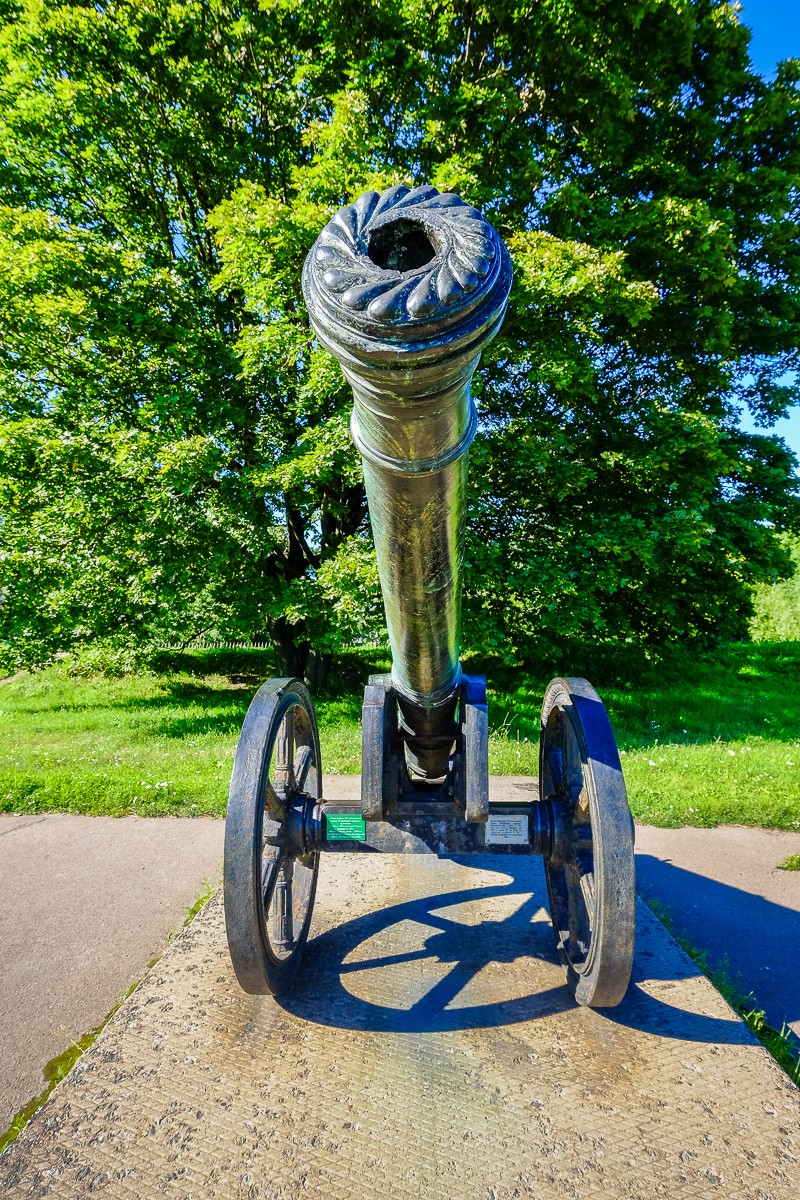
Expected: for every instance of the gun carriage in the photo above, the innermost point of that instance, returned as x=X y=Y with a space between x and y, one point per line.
x=406 y=288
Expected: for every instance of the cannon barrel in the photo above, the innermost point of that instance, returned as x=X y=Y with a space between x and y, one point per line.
x=406 y=288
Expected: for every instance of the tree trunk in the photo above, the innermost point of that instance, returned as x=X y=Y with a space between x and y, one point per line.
x=317 y=667
x=291 y=647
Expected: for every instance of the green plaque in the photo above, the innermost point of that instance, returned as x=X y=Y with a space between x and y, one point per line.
x=345 y=827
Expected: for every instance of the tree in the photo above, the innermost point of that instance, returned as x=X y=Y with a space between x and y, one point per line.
x=174 y=447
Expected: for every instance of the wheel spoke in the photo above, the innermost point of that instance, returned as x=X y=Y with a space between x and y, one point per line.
x=281 y=907
x=284 y=755
x=559 y=905
x=573 y=766
x=582 y=839
x=579 y=922
x=274 y=805
x=302 y=765
x=555 y=763
x=587 y=889
x=270 y=863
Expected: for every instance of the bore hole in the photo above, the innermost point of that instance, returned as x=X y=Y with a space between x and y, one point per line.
x=400 y=246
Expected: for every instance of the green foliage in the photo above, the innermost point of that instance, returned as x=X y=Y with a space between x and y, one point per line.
x=174 y=455
x=790 y=863
x=776 y=616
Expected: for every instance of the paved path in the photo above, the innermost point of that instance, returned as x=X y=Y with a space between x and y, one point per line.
x=85 y=904
x=431 y=1052
x=727 y=896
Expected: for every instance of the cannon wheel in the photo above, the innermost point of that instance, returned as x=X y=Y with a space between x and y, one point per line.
x=590 y=872
x=269 y=892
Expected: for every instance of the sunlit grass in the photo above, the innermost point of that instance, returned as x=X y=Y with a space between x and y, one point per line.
x=755 y=782
x=703 y=741
x=149 y=744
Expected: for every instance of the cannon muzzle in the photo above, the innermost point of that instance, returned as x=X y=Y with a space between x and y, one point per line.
x=406 y=288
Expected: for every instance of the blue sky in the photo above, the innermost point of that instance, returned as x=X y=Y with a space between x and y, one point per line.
x=775 y=26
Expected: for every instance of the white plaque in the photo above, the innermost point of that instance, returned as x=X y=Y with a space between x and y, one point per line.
x=507 y=829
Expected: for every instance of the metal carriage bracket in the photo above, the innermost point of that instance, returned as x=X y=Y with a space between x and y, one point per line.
x=387 y=788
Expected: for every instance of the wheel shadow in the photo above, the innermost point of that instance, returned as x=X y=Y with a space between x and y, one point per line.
x=712 y=915
x=419 y=963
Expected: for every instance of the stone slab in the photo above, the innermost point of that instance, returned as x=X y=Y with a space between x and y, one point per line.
x=431 y=1050
x=723 y=891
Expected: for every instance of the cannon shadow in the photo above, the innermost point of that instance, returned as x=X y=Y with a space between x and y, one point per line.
x=442 y=957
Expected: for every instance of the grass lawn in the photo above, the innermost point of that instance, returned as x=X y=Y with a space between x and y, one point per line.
x=704 y=740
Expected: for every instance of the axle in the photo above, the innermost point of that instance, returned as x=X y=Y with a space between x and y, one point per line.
x=541 y=827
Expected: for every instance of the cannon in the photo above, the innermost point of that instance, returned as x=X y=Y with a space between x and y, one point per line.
x=406 y=288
